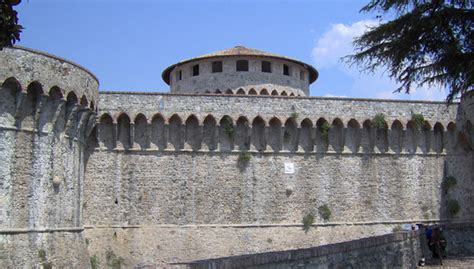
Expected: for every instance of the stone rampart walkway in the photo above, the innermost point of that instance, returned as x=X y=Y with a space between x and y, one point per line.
x=451 y=263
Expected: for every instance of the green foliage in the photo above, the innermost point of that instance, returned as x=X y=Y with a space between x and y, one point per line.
x=44 y=262
x=243 y=160
x=42 y=255
x=419 y=121
x=449 y=182
x=324 y=129
x=294 y=115
x=228 y=127
x=9 y=28
x=308 y=220
x=94 y=262
x=426 y=43
x=379 y=121
x=453 y=207
x=397 y=229
x=324 y=212
x=113 y=260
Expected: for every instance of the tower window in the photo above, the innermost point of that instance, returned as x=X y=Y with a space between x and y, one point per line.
x=242 y=65
x=179 y=75
x=217 y=67
x=286 y=70
x=195 y=70
x=302 y=76
x=266 y=67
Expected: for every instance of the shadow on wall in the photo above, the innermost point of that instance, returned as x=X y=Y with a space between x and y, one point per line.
x=458 y=183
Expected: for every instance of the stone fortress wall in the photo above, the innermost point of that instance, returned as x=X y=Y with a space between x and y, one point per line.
x=167 y=161
x=47 y=109
x=152 y=178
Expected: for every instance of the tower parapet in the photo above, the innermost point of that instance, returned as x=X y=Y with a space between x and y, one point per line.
x=47 y=112
x=241 y=70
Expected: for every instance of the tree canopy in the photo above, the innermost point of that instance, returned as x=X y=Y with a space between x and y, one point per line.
x=428 y=42
x=9 y=28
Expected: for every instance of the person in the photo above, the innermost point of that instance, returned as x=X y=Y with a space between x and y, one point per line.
x=437 y=243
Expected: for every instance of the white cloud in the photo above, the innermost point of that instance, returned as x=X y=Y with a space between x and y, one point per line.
x=336 y=43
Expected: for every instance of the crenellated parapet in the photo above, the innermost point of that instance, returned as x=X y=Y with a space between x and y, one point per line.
x=43 y=93
x=304 y=125
x=47 y=112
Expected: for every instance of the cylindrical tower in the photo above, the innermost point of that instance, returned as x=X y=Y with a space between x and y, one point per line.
x=241 y=70
x=47 y=113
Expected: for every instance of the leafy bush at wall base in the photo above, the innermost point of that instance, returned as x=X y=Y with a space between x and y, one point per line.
x=308 y=220
x=324 y=212
x=453 y=207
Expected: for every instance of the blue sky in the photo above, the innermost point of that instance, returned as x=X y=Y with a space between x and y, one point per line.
x=127 y=44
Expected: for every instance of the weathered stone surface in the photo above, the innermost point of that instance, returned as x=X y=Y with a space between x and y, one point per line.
x=163 y=178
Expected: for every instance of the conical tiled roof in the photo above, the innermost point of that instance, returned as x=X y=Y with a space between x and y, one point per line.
x=240 y=51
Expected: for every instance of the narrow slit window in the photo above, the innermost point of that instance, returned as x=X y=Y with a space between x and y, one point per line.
x=242 y=65
x=195 y=70
x=217 y=67
x=286 y=70
x=302 y=75
x=179 y=75
x=266 y=67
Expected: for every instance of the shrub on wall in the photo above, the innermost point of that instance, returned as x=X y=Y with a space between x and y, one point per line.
x=227 y=125
x=324 y=212
x=324 y=129
x=294 y=116
x=243 y=160
x=419 y=120
x=453 y=207
x=379 y=121
x=308 y=220
x=94 y=262
x=449 y=182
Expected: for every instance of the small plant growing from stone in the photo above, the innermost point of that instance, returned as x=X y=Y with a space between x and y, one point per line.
x=449 y=183
x=379 y=122
x=94 y=262
x=418 y=120
x=243 y=160
x=113 y=260
x=294 y=115
x=308 y=220
x=397 y=228
x=324 y=129
x=227 y=125
x=453 y=207
x=44 y=262
x=324 y=212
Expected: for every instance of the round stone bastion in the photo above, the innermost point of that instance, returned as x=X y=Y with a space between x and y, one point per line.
x=241 y=70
